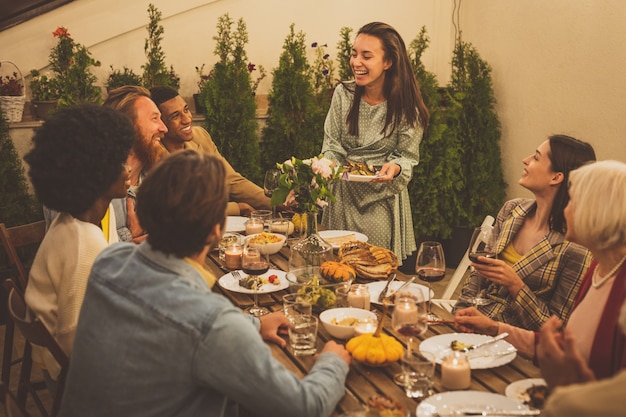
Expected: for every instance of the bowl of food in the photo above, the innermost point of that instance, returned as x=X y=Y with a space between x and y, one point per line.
x=308 y=280
x=340 y=322
x=267 y=243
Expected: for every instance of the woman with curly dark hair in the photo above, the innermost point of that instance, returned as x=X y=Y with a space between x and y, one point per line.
x=77 y=166
x=378 y=119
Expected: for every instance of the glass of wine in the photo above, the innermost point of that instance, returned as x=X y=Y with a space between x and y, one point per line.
x=255 y=264
x=270 y=183
x=482 y=243
x=410 y=320
x=430 y=267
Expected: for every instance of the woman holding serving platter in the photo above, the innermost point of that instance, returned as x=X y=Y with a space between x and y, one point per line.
x=378 y=120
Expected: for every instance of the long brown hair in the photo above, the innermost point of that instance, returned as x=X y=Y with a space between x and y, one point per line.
x=566 y=154
x=401 y=89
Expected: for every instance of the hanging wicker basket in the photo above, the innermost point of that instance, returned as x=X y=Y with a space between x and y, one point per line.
x=13 y=106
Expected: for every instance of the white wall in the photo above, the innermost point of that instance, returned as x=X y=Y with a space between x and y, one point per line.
x=557 y=64
x=114 y=30
x=558 y=67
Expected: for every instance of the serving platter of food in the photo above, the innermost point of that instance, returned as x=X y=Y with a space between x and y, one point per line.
x=338 y=237
x=359 y=172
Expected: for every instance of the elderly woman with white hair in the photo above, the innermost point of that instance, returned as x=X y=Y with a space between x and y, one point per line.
x=592 y=345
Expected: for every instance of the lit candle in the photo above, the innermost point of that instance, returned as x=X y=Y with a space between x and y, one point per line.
x=232 y=256
x=365 y=326
x=406 y=311
x=359 y=297
x=455 y=371
x=254 y=226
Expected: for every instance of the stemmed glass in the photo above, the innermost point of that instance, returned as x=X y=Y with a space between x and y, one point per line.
x=482 y=243
x=270 y=183
x=430 y=267
x=254 y=263
x=409 y=319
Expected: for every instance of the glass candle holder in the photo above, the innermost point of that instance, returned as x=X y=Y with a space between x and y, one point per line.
x=455 y=371
x=232 y=256
x=359 y=296
x=254 y=226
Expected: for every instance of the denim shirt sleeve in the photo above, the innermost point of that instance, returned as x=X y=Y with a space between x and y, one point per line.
x=233 y=359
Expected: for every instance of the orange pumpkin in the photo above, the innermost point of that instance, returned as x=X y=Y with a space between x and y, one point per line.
x=337 y=272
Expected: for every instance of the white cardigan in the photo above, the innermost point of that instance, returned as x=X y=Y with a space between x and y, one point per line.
x=58 y=279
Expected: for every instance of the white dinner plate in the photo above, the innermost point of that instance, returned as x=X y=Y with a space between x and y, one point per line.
x=357 y=177
x=490 y=356
x=230 y=283
x=447 y=403
x=376 y=287
x=517 y=390
x=325 y=234
x=235 y=224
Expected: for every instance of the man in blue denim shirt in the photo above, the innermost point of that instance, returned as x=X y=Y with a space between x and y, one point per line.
x=153 y=340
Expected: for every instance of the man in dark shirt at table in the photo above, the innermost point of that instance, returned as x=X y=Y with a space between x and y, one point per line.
x=154 y=340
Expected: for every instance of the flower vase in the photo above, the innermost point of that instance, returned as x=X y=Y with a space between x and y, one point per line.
x=312 y=250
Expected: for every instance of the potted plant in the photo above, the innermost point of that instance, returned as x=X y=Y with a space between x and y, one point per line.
x=230 y=104
x=12 y=95
x=125 y=76
x=70 y=80
x=155 y=71
x=44 y=93
x=295 y=121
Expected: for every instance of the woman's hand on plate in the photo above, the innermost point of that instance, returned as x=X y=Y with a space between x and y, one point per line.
x=388 y=172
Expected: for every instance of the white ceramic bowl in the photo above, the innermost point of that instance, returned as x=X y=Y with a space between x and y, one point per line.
x=343 y=332
x=267 y=248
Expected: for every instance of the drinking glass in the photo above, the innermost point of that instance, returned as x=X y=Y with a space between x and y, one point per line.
x=255 y=264
x=482 y=243
x=409 y=319
x=270 y=184
x=303 y=335
x=295 y=305
x=418 y=369
x=430 y=267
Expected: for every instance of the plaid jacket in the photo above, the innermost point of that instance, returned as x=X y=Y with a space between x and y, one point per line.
x=552 y=271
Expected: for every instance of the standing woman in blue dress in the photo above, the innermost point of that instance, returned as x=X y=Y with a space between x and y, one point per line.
x=379 y=119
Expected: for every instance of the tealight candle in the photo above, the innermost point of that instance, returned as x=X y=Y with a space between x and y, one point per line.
x=232 y=256
x=359 y=297
x=365 y=326
x=254 y=226
x=455 y=371
x=406 y=310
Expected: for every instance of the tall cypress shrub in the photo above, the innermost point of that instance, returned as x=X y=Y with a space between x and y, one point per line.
x=230 y=106
x=295 y=121
x=438 y=178
x=479 y=130
x=17 y=205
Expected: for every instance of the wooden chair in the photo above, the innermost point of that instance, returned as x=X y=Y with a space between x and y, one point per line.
x=16 y=237
x=36 y=334
x=447 y=301
x=11 y=407
x=12 y=239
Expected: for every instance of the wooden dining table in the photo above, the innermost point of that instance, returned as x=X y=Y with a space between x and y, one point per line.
x=364 y=381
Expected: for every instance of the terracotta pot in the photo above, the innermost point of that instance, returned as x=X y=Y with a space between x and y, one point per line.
x=44 y=108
